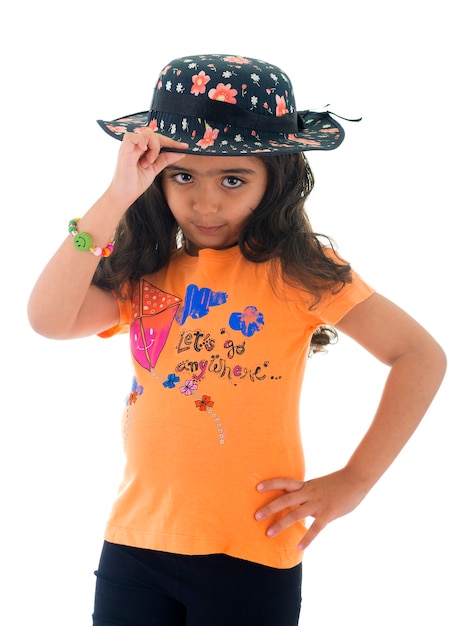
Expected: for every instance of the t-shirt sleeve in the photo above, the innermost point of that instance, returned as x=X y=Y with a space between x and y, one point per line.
x=333 y=307
x=123 y=325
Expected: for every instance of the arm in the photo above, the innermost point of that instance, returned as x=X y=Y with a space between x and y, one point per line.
x=417 y=366
x=63 y=303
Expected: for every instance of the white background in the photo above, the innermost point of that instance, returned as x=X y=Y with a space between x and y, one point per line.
x=393 y=197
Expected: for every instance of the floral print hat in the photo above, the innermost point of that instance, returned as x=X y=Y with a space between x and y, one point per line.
x=230 y=105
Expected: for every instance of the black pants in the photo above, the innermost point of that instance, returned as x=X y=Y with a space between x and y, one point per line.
x=137 y=587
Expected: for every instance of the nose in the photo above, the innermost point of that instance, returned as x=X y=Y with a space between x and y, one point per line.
x=206 y=200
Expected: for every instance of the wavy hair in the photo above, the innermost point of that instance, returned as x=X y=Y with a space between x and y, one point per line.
x=278 y=231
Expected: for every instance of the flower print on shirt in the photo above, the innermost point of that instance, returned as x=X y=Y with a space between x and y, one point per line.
x=189 y=387
x=136 y=390
x=248 y=322
x=171 y=381
x=204 y=403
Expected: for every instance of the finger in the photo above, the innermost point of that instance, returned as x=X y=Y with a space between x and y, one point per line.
x=167 y=143
x=147 y=145
x=289 y=485
x=285 y=522
x=310 y=535
x=157 y=164
x=140 y=140
x=280 y=484
x=290 y=519
x=167 y=158
x=158 y=150
x=158 y=143
x=134 y=147
x=289 y=500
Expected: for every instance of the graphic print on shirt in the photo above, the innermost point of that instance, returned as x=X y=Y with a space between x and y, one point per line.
x=136 y=391
x=153 y=312
x=213 y=352
x=132 y=397
x=198 y=301
x=248 y=322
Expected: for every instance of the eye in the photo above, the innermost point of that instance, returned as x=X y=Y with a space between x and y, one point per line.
x=182 y=178
x=232 y=182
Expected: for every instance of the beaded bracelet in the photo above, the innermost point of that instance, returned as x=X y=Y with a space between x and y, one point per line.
x=83 y=241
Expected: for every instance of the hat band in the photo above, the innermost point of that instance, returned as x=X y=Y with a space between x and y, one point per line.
x=223 y=112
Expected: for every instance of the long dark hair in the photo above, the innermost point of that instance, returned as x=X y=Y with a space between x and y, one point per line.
x=278 y=231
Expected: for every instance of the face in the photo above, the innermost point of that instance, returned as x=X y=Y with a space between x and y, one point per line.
x=211 y=197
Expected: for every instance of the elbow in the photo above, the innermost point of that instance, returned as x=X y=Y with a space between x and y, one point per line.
x=34 y=317
x=38 y=323
x=43 y=322
x=434 y=363
x=442 y=361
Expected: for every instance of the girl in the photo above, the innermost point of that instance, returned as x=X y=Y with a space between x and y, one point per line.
x=215 y=272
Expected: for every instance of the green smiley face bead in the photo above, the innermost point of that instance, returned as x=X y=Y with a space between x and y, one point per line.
x=82 y=241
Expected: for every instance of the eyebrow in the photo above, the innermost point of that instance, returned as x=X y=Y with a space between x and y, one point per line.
x=242 y=171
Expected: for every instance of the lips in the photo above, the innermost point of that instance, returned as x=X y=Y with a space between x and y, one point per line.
x=208 y=230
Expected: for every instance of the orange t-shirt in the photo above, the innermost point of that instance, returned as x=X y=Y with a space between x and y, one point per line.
x=219 y=358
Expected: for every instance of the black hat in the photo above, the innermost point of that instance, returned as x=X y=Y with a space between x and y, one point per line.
x=230 y=105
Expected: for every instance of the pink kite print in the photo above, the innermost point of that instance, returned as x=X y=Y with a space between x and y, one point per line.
x=153 y=312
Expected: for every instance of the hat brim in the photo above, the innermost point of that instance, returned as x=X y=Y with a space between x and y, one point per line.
x=320 y=132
